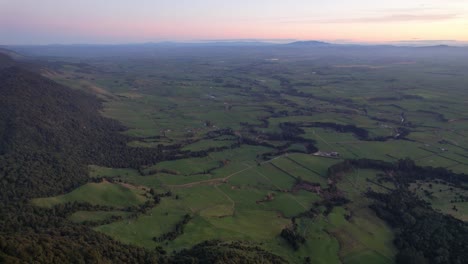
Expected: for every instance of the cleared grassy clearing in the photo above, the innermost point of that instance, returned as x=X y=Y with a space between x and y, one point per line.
x=141 y=231
x=252 y=179
x=321 y=246
x=206 y=144
x=300 y=171
x=364 y=233
x=170 y=180
x=149 y=181
x=81 y=216
x=205 y=200
x=102 y=172
x=190 y=166
x=444 y=198
x=314 y=163
x=277 y=178
x=104 y=193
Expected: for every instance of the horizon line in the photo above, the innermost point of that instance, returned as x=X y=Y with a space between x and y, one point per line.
x=279 y=41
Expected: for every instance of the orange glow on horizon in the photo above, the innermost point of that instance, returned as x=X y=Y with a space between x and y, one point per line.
x=270 y=20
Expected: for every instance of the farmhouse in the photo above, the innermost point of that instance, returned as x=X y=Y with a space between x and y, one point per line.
x=332 y=154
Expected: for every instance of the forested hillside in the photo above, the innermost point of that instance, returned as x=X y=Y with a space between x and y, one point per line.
x=5 y=61
x=49 y=133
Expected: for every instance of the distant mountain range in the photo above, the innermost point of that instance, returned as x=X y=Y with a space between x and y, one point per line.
x=212 y=47
x=248 y=43
x=309 y=43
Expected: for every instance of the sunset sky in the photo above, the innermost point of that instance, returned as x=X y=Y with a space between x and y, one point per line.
x=134 y=21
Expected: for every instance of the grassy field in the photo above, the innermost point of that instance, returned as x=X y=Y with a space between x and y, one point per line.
x=104 y=193
x=81 y=216
x=187 y=166
x=103 y=172
x=444 y=198
x=142 y=230
x=365 y=235
x=232 y=211
x=246 y=192
x=208 y=143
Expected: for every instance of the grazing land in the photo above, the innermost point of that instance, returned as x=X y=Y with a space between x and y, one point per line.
x=247 y=148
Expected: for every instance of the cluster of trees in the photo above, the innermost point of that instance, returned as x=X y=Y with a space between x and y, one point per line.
x=393 y=98
x=290 y=132
x=69 y=244
x=292 y=236
x=360 y=133
x=404 y=170
x=178 y=230
x=109 y=220
x=218 y=252
x=332 y=202
x=36 y=235
x=422 y=234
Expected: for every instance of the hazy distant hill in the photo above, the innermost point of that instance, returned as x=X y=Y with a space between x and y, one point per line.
x=10 y=54
x=309 y=43
x=438 y=47
x=235 y=48
x=5 y=60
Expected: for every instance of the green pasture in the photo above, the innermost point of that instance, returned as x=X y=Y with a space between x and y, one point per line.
x=104 y=193
x=81 y=216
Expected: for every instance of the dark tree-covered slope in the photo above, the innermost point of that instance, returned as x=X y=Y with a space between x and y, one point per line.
x=5 y=60
x=218 y=252
x=49 y=133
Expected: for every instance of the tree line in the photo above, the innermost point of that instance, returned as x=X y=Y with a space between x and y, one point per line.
x=423 y=235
